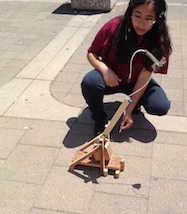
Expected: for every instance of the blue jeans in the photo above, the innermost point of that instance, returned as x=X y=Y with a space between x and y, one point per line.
x=154 y=99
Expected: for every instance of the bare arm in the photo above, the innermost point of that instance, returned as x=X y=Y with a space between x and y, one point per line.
x=127 y=119
x=110 y=78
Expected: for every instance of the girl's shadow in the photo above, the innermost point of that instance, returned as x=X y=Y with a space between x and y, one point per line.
x=82 y=128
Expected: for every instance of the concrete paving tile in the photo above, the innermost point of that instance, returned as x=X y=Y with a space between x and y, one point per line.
x=76 y=89
x=81 y=75
x=169 y=161
x=47 y=23
x=33 y=48
x=15 y=123
x=121 y=188
x=63 y=87
x=65 y=156
x=29 y=24
x=52 y=70
x=184 y=63
x=176 y=45
x=174 y=94
x=5 y=34
x=29 y=164
x=14 y=89
x=74 y=99
x=176 y=64
x=114 y=203
x=176 y=56
x=25 y=41
x=43 y=39
x=177 y=108
x=172 y=72
x=137 y=171
x=58 y=194
x=167 y=196
x=17 y=197
x=5 y=79
x=184 y=50
x=17 y=48
x=168 y=123
x=45 y=133
x=2 y=161
x=8 y=140
x=36 y=65
x=7 y=42
x=91 y=20
x=36 y=102
x=68 y=49
x=76 y=68
x=17 y=63
x=157 y=78
x=4 y=62
x=176 y=41
x=185 y=83
x=30 y=36
x=42 y=211
x=175 y=138
x=67 y=77
x=184 y=74
x=79 y=58
x=43 y=34
x=59 y=96
x=172 y=83
x=10 y=74
x=29 y=54
x=9 y=55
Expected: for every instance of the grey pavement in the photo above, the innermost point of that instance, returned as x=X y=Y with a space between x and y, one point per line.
x=44 y=119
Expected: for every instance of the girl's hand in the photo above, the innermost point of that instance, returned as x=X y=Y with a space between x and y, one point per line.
x=110 y=78
x=126 y=121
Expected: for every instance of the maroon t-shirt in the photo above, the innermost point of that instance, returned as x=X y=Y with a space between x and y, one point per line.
x=101 y=46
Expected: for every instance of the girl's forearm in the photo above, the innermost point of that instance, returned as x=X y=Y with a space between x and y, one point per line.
x=141 y=81
x=96 y=63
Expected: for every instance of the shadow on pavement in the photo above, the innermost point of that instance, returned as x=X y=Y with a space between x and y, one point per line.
x=88 y=174
x=66 y=9
x=82 y=128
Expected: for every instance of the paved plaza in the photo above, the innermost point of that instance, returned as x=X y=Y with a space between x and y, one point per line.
x=44 y=118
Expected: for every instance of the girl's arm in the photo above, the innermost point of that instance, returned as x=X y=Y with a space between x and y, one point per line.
x=142 y=79
x=110 y=78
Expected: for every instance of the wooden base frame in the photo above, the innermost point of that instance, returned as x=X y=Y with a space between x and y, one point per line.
x=98 y=152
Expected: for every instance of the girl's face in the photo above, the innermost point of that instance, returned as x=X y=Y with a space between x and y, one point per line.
x=143 y=18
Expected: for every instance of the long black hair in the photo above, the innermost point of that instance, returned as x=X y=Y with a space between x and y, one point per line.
x=157 y=40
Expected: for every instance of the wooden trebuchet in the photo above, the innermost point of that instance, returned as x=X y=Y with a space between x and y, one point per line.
x=98 y=151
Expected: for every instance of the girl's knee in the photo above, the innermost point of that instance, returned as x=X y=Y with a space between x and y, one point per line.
x=93 y=81
x=160 y=109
